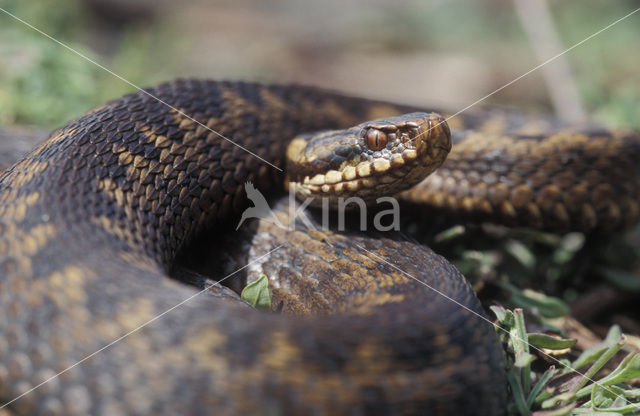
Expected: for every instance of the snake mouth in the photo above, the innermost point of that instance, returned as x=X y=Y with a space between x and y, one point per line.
x=377 y=158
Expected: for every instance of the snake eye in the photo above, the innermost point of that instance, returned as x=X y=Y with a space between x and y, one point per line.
x=376 y=139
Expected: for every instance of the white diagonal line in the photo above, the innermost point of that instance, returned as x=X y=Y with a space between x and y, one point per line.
x=136 y=329
x=444 y=295
x=535 y=68
x=138 y=88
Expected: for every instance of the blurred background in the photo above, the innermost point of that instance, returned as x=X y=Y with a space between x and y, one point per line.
x=433 y=53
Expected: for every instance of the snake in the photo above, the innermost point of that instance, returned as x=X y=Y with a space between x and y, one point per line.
x=93 y=220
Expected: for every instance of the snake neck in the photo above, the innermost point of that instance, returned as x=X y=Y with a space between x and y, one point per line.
x=154 y=166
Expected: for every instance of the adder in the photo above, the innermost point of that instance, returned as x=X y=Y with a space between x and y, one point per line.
x=93 y=219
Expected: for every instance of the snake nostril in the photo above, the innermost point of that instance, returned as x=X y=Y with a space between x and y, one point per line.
x=438 y=122
x=431 y=124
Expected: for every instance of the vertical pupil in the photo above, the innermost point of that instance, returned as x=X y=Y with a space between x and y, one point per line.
x=376 y=139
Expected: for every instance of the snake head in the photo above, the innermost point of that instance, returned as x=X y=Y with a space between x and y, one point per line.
x=377 y=158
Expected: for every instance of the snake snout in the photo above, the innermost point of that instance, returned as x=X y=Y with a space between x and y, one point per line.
x=422 y=132
x=429 y=135
x=439 y=133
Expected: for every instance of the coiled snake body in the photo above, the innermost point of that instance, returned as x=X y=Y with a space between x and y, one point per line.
x=92 y=219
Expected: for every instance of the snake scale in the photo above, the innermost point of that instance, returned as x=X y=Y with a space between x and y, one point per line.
x=91 y=222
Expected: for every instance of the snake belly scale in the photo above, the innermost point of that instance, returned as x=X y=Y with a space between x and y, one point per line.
x=91 y=221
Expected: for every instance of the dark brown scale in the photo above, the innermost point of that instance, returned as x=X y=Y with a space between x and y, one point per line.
x=92 y=220
x=568 y=179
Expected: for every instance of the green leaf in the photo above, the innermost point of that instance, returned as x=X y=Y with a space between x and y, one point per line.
x=562 y=411
x=573 y=241
x=523 y=359
x=629 y=368
x=611 y=392
x=620 y=278
x=519 y=332
x=521 y=253
x=504 y=316
x=449 y=234
x=547 y=306
x=257 y=294
x=581 y=389
x=499 y=312
x=521 y=348
x=518 y=394
x=568 y=247
x=537 y=388
x=633 y=393
x=557 y=399
x=591 y=354
x=613 y=336
x=550 y=342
